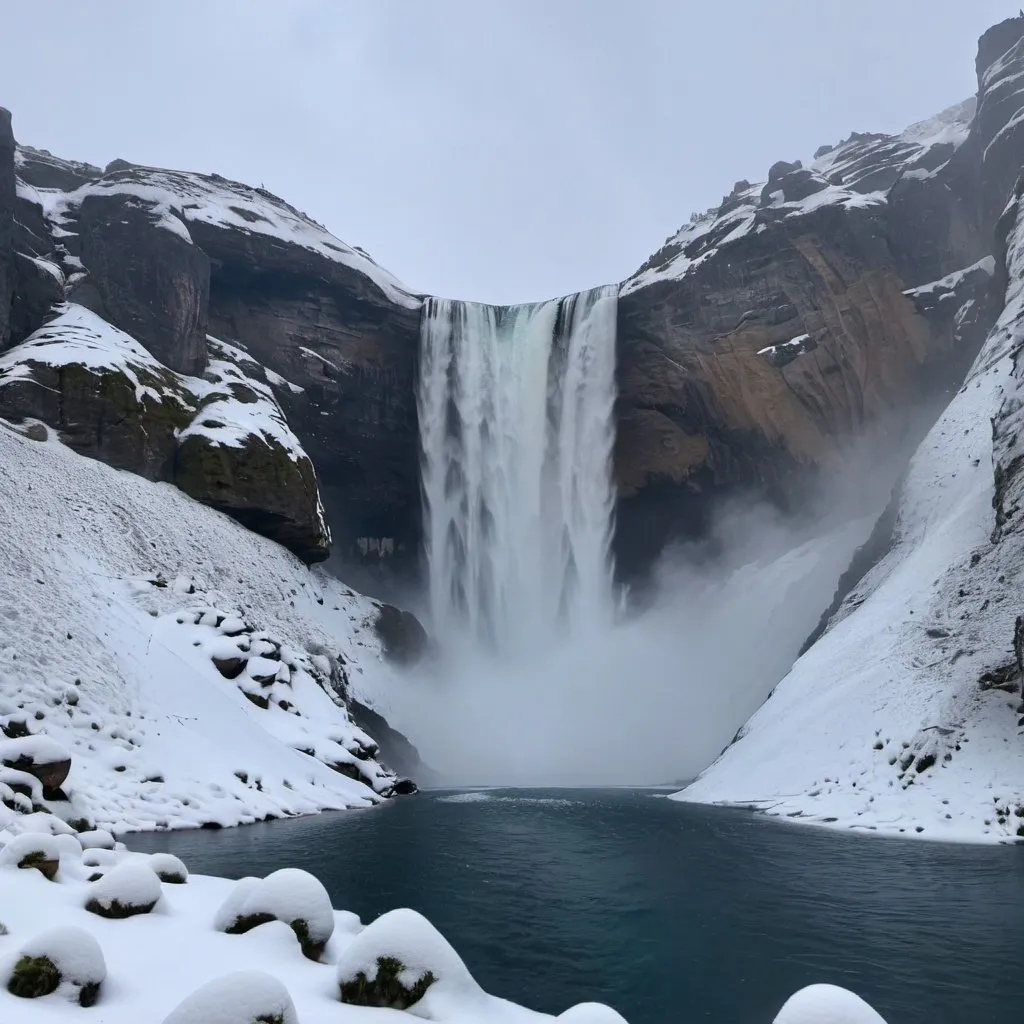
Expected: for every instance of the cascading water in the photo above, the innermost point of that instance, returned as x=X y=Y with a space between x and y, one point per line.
x=516 y=423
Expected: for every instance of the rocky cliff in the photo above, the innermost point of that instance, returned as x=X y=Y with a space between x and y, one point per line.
x=752 y=347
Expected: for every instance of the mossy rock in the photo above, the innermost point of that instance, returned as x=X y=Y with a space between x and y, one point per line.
x=45 y=866
x=34 y=976
x=116 y=910
x=385 y=989
x=310 y=949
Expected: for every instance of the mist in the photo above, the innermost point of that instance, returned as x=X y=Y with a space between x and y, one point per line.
x=656 y=698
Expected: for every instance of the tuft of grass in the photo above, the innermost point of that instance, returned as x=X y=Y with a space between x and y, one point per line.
x=34 y=976
x=385 y=989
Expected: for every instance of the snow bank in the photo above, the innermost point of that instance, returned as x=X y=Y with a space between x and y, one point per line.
x=111 y=590
x=826 y=1004
x=239 y=998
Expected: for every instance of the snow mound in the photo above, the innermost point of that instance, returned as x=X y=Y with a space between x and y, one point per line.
x=29 y=847
x=77 y=957
x=290 y=895
x=826 y=1004
x=96 y=839
x=168 y=868
x=591 y=1013
x=127 y=889
x=403 y=947
x=240 y=998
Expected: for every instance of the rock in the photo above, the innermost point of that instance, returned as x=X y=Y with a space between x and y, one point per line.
x=403 y=638
x=40 y=757
x=405 y=787
x=7 y=202
x=126 y=890
x=780 y=169
x=152 y=281
x=261 y=486
x=59 y=957
x=38 y=290
x=395 y=749
x=41 y=168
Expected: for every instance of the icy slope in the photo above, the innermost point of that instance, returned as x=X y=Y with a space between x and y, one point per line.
x=904 y=716
x=188 y=665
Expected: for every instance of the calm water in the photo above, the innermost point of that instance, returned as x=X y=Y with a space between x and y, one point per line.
x=666 y=911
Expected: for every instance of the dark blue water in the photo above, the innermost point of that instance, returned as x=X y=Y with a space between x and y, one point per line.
x=666 y=911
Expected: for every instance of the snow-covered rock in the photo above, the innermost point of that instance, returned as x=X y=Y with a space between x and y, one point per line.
x=826 y=1004
x=221 y=437
x=169 y=868
x=290 y=895
x=62 y=959
x=401 y=960
x=591 y=1013
x=128 y=889
x=244 y=997
x=32 y=850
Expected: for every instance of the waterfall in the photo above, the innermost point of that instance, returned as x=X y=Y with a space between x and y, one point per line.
x=516 y=425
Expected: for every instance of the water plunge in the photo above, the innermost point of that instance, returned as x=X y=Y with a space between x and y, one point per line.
x=516 y=423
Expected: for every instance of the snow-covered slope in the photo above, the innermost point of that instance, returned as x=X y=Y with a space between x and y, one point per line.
x=905 y=715
x=190 y=667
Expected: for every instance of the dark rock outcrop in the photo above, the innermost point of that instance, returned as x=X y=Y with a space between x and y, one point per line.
x=403 y=637
x=395 y=749
x=152 y=282
x=7 y=200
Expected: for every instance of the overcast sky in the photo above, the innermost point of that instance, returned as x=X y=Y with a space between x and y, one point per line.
x=504 y=150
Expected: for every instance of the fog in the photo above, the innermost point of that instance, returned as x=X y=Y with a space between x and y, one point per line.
x=655 y=699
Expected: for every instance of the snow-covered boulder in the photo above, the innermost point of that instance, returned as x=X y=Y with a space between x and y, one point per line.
x=96 y=839
x=826 y=1004
x=63 y=958
x=125 y=890
x=290 y=895
x=245 y=997
x=397 y=959
x=33 y=850
x=591 y=1013
x=38 y=756
x=169 y=868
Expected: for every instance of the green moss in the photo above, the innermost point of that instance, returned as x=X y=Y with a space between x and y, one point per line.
x=116 y=910
x=37 y=859
x=310 y=949
x=247 y=922
x=34 y=976
x=385 y=989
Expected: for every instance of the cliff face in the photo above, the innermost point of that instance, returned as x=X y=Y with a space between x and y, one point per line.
x=752 y=347
x=769 y=331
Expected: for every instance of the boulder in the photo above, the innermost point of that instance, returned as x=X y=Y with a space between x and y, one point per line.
x=40 y=757
x=403 y=637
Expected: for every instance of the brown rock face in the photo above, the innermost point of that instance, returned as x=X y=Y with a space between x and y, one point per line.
x=709 y=400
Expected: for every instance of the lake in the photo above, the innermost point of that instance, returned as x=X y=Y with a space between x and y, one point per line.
x=666 y=911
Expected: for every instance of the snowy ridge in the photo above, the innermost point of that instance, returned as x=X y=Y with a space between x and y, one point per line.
x=180 y=198
x=115 y=596
x=857 y=173
x=903 y=717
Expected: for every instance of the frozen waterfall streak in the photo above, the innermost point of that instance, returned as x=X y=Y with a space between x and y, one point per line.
x=516 y=424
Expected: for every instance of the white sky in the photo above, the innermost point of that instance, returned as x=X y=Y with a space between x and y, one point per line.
x=505 y=150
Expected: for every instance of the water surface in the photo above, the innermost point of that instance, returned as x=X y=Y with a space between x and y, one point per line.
x=666 y=911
